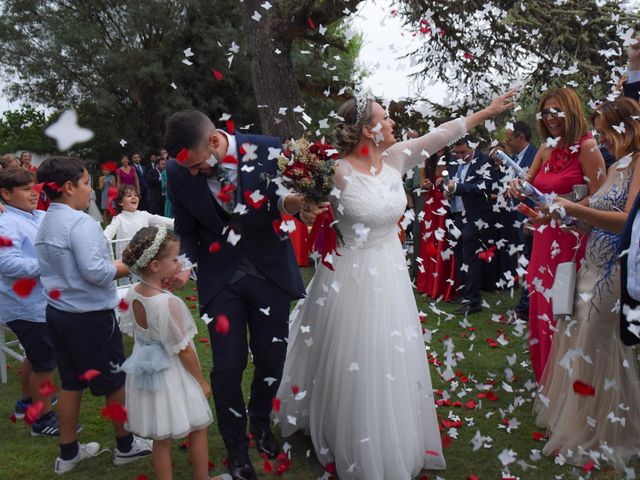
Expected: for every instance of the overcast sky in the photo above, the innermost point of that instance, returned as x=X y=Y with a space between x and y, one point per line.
x=384 y=42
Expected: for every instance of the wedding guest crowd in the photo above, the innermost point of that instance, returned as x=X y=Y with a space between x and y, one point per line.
x=477 y=227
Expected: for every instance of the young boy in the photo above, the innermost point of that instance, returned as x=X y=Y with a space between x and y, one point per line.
x=76 y=264
x=25 y=315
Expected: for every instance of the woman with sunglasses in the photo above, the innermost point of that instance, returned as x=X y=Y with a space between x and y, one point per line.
x=589 y=397
x=569 y=157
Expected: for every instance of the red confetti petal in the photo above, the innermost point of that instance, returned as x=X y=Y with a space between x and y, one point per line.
x=89 y=375
x=211 y=466
x=295 y=389
x=183 y=155
x=54 y=186
x=364 y=151
x=217 y=74
x=537 y=436
x=253 y=204
x=276 y=226
x=587 y=467
x=33 y=412
x=142 y=477
x=24 y=286
x=12 y=417
x=330 y=468
x=54 y=293
x=231 y=126
x=47 y=388
x=275 y=403
x=468 y=56
x=222 y=324
x=584 y=389
x=109 y=166
x=214 y=247
x=115 y=412
x=311 y=24
x=230 y=159
x=267 y=466
x=203 y=340
x=123 y=306
x=5 y=241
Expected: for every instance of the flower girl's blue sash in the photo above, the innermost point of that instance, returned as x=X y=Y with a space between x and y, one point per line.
x=146 y=363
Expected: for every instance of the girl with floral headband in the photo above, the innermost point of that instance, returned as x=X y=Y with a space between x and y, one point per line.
x=166 y=394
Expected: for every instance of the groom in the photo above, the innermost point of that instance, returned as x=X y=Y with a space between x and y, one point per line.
x=227 y=214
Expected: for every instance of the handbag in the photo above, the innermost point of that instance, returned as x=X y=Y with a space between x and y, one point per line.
x=564 y=289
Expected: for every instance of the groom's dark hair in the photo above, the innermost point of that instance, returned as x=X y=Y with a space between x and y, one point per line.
x=185 y=129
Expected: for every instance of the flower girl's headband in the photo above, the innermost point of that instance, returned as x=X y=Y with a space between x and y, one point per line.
x=151 y=251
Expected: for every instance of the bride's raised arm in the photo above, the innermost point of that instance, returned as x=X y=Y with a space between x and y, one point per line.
x=406 y=155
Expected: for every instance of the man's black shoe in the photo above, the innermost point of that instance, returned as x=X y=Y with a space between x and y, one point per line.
x=242 y=469
x=266 y=443
x=468 y=310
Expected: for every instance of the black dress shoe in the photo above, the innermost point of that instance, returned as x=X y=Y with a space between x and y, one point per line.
x=266 y=443
x=468 y=310
x=242 y=469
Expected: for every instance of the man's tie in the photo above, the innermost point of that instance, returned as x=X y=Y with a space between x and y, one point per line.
x=227 y=195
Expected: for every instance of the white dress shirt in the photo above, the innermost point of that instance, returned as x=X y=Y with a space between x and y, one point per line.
x=231 y=168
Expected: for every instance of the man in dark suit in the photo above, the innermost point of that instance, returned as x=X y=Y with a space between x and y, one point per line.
x=153 y=180
x=629 y=281
x=630 y=241
x=227 y=214
x=470 y=190
x=141 y=171
x=523 y=153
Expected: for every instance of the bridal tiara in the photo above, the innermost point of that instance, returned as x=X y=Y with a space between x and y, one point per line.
x=361 y=106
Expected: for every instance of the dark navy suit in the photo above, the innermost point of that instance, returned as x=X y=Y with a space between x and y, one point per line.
x=475 y=193
x=526 y=240
x=627 y=337
x=252 y=282
x=632 y=90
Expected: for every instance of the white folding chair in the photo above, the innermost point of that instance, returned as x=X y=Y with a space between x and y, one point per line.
x=10 y=348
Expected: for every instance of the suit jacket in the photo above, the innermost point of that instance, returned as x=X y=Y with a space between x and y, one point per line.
x=475 y=191
x=141 y=171
x=154 y=187
x=627 y=337
x=632 y=90
x=200 y=222
x=529 y=155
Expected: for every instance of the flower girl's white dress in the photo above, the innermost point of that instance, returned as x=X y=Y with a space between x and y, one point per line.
x=162 y=398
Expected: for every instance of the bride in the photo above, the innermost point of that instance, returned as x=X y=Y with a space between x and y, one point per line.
x=356 y=375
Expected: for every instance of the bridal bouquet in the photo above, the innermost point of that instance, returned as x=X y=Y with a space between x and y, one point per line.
x=308 y=169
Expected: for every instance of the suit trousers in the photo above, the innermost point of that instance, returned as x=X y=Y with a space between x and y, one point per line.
x=457 y=251
x=474 y=241
x=262 y=307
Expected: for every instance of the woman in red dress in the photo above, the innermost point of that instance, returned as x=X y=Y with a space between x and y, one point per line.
x=569 y=157
x=436 y=273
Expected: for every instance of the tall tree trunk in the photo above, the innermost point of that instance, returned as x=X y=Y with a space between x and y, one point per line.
x=272 y=75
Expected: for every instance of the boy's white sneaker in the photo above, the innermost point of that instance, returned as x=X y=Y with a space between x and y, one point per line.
x=85 y=450
x=141 y=447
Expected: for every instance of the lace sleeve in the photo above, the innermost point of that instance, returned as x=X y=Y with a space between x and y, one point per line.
x=178 y=328
x=404 y=156
x=341 y=177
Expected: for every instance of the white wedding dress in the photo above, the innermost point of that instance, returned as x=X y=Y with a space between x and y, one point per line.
x=356 y=375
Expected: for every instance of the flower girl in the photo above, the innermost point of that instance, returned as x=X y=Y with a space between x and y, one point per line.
x=166 y=393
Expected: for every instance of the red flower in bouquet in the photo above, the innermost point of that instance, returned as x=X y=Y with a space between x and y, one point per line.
x=308 y=169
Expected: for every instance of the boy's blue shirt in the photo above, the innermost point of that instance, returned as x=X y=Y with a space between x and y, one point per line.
x=75 y=259
x=20 y=261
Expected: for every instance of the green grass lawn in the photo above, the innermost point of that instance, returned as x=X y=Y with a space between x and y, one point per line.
x=488 y=351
